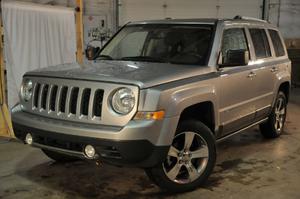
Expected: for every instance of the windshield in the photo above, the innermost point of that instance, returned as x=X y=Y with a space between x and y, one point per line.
x=178 y=44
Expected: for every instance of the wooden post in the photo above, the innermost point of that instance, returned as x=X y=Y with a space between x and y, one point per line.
x=2 y=78
x=79 y=30
x=5 y=120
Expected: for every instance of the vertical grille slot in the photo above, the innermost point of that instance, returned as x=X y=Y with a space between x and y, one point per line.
x=44 y=96
x=53 y=98
x=97 y=106
x=63 y=98
x=36 y=95
x=73 y=100
x=85 y=101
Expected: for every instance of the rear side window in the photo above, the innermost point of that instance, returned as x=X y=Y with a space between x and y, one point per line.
x=260 y=43
x=277 y=43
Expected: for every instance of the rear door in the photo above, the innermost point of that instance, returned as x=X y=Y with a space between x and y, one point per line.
x=237 y=85
x=265 y=70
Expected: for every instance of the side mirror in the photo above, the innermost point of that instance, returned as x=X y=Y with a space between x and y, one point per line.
x=91 y=52
x=234 y=58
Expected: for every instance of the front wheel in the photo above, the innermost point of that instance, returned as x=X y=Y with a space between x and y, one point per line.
x=190 y=160
x=274 y=126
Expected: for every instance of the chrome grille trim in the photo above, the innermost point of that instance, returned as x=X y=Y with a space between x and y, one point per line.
x=98 y=109
x=68 y=102
x=84 y=109
x=57 y=99
x=79 y=102
x=48 y=97
x=91 y=104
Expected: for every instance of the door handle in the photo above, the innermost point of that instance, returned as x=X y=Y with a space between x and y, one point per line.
x=274 y=69
x=251 y=74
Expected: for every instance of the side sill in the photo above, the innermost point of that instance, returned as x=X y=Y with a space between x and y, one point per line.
x=241 y=130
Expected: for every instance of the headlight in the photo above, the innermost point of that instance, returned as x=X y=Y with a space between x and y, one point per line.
x=26 y=90
x=123 y=101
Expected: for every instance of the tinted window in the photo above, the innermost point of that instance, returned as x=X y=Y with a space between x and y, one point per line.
x=278 y=46
x=260 y=43
x=233 y=39
x=171 y=43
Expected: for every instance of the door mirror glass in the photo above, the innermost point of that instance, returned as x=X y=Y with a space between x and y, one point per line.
x=234 y=58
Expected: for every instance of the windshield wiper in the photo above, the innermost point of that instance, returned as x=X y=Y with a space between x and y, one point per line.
x=143 y=58
x=104 y=57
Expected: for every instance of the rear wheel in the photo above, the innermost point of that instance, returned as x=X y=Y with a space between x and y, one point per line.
x=273 y=128
x=58 y=157
x=190 y=160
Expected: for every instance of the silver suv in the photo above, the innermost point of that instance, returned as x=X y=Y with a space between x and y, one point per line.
x=160 y=95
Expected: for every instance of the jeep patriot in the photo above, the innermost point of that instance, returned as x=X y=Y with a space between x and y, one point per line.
x=160 y=95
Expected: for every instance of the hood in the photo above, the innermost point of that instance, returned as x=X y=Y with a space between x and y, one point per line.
x=142 y=74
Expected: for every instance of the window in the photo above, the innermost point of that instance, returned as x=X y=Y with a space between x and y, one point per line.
x=233 y=39
x=277 y=43
x=170 y=43
x=260 y=43
x=130 y=44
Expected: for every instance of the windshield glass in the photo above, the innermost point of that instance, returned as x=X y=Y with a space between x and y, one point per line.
x=172 y=43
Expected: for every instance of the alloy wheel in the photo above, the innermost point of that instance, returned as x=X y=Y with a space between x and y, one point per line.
x=187 y=158
x=280 y=114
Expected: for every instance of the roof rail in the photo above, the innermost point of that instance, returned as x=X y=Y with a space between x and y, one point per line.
x=249 y=18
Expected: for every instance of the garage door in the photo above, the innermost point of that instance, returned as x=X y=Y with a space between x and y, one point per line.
x=133 y=10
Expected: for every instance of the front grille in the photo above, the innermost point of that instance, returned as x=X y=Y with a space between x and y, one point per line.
x=86 y=94
x=69 y=101
x=74 y=98
x=63 y=98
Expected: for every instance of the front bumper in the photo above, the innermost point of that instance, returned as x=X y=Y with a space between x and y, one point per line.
x=140 y=143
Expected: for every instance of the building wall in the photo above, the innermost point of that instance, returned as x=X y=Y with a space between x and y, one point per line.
x=283 y=13
x=91 y=7
x=289 y=19
x=133 y=10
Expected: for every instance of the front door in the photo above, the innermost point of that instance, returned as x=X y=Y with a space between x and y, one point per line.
x=237 y=86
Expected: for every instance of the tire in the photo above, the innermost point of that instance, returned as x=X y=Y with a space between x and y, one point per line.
x=191 y=172
x=58 y=157
x=273 y=127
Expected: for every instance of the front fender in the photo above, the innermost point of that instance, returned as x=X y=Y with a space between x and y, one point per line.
x=183 y=98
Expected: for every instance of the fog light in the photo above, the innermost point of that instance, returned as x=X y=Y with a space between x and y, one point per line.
x=89 y=151
x=28 y=139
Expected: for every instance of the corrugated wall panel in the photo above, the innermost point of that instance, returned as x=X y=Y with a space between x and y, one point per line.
x=289 y=19
x=132 y=10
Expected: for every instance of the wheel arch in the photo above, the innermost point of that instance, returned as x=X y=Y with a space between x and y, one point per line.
x=285 y=88
x=196 y=102
x=203 y=111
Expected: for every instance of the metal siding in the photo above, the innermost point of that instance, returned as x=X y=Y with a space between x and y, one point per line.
x=133 y=10
x=289 y=19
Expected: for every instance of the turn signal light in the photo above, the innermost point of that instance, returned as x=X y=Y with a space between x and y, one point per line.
x=157 y=115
